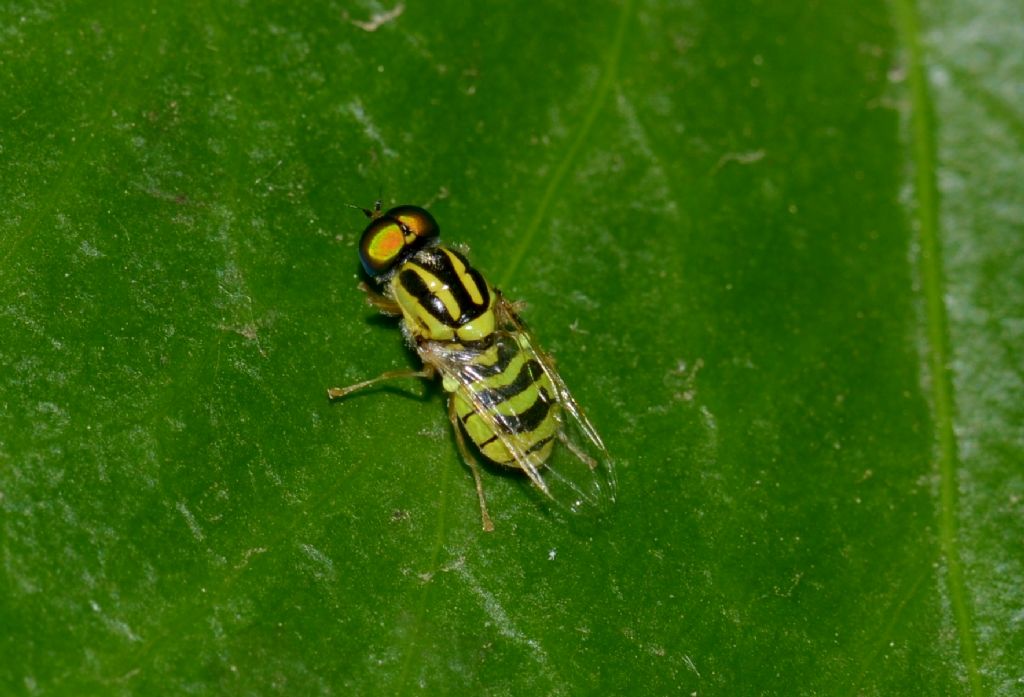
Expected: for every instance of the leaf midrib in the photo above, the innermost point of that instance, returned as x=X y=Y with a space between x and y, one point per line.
x=923 y=142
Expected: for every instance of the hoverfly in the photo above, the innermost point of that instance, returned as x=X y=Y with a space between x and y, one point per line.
x=504 y=394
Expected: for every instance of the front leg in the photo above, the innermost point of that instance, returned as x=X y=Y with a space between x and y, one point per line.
x=383 y=303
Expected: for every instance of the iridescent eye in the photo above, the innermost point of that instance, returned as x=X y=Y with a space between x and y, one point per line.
x=394 y=236
x=382 y=245
x=415 y=220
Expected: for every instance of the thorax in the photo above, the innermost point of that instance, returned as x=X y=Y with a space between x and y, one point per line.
x=442 y=297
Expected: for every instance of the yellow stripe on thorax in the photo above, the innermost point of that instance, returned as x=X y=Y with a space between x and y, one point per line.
x=419 y=321
x=439 y=289
x=467 y=281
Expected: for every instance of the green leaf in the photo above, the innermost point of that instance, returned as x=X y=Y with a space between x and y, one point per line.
x=775 y=247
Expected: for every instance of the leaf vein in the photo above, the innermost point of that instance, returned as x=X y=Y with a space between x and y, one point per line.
x=604 y=87
x=923 y=149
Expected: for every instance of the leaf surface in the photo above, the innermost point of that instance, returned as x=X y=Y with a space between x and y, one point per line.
x=775 y=249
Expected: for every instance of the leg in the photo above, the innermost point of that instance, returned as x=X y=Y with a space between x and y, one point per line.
x=471 y=461
x=509 y=310
x=383 y=303
x=427 y=373
x=508 y=314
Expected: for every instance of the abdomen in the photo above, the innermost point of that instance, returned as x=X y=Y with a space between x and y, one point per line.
x=511 y=400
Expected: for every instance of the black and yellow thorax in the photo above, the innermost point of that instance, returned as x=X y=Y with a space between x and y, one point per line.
x=442 y=297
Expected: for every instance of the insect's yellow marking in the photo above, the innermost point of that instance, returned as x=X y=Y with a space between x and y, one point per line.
x=479 y=328
x=510 y=373
x=474 y=291
x=519 y=403
x=422 y=323
x=438 y=289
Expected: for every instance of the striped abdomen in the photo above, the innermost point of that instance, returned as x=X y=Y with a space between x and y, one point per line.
x=509 y=385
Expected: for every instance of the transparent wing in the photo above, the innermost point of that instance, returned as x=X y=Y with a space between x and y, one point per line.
x=579 y=434
x=579 y=474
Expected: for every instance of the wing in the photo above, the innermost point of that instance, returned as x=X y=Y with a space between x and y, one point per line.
x=579 y=473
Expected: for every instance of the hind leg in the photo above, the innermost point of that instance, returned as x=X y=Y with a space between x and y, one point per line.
x=460 y=440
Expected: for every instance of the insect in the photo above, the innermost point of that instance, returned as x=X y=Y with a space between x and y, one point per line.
x=504 y=394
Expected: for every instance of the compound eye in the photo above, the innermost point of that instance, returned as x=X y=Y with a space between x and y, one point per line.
x=415 y=220
x=381 y=245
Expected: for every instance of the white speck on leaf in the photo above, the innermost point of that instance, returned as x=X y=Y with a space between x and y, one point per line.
x=193 y=524
x=322 y=560
x=690 y=664
x=114 y=625
x=89 y=250
x=379 y=19
x=494 y=609
x=370 y=130
x=741 y=158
